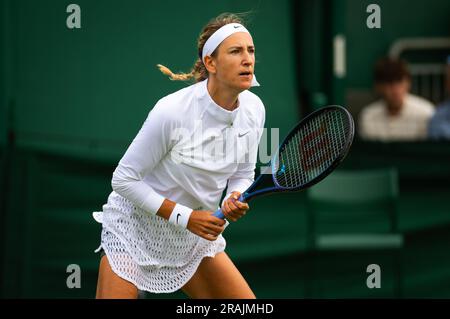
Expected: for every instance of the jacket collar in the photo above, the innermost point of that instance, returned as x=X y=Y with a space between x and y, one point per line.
x=219 y=113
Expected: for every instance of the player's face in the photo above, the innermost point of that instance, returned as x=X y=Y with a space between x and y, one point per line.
x=235 y=61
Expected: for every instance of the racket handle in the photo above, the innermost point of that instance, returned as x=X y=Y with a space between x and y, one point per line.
x=219 y=213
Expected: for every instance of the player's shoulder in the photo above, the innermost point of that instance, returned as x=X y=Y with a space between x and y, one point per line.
x=176 y=105
x=178 y=99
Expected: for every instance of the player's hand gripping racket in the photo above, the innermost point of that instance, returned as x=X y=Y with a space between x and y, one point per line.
x=311 y=151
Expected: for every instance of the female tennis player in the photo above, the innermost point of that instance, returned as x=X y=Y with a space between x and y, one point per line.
x=158 y=231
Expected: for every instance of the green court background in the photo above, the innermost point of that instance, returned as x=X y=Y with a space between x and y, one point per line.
x=71 y=100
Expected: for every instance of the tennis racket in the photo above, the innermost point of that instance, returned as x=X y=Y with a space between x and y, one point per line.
x=311 y=151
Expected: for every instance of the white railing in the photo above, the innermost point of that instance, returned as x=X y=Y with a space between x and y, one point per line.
x=428 y=79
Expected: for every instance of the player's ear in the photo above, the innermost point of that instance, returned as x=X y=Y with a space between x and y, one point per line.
x=210 y=64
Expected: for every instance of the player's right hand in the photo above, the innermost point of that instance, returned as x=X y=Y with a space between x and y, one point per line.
x=205 y=225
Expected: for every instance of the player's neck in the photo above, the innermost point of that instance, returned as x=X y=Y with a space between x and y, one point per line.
x=222 y=95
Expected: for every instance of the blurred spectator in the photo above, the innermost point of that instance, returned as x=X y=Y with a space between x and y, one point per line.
x=439 y=127
x=399 y=115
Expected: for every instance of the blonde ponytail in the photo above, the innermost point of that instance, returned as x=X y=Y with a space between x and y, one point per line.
x=175 y=77
x=198 y=72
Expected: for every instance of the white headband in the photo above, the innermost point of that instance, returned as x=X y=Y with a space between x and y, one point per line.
x=217 y=38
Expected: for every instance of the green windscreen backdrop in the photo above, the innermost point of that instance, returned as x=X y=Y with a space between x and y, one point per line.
x=92 y=88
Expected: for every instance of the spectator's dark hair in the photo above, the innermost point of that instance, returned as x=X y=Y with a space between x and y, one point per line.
x=388 y=70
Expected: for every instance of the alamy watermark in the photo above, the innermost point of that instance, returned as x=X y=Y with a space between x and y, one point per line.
x=374 y=279
x=223 y=146
x=374 y=19
x=73 y=21
x=74 y=279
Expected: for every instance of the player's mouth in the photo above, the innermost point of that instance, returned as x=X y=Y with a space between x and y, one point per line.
x=246 y=74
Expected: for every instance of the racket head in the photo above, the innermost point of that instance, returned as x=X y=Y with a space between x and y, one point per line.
x=313 y=148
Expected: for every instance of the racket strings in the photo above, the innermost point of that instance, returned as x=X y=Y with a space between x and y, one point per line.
x=324 y=149
x=312 y=149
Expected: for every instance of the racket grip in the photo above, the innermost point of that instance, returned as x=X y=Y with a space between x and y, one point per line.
x=219 y=213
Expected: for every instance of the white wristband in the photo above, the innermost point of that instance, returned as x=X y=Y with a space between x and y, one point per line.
x=180 y=216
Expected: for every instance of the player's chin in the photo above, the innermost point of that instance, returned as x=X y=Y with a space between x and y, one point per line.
x=244 y=83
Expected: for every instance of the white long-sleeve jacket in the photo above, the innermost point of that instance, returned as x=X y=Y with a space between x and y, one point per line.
x=188 y=148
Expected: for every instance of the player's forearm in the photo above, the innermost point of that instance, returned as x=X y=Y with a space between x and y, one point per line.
x=126 y=183
x=143 y=195
x=237 y=185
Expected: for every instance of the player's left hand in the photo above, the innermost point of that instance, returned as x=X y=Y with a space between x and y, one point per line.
x=234 y=209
